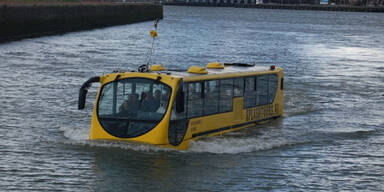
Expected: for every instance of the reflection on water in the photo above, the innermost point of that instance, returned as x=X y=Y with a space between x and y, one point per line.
x=330 y=138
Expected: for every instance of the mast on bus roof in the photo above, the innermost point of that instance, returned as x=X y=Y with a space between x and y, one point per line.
x=153 y=33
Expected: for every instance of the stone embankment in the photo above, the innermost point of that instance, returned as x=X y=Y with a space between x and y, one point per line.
x=30 y=20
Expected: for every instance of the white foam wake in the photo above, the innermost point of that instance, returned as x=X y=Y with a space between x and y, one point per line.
x=75 y=133
x=80 y=136
x=236 y=143
x=223 y=145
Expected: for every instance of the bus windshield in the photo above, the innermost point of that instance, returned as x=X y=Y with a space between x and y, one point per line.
x=133 y=106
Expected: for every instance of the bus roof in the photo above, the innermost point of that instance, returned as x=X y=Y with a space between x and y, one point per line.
x=229 y=70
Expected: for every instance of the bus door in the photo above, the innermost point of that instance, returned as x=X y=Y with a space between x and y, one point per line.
x=178 y=122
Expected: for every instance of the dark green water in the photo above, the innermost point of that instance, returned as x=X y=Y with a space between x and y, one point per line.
x=330 y=139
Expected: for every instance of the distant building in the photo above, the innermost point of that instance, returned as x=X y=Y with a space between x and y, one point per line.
x=372 y=3
x=246 y=1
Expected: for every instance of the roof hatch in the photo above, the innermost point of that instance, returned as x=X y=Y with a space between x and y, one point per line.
x=197 y=70
x=157 y=68
x=215 y=65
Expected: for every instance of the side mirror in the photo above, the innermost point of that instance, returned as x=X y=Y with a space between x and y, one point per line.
x=82 y=98
x=180 y=98
x=84 y=90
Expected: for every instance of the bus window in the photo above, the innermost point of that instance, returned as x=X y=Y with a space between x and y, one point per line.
x=262 y=90
x=250 y=92
x=272 y=87
x=161 y=95
x=124 y=90
x=226 y=95
x=130 y=107
x=195 y=100
x=106 y=100
x=238 y=87
x=211 y=102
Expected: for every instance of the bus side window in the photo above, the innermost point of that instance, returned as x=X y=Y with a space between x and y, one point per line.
x=250 y=92
x=272 y=87
x=211 y=99
x=262 y=90
x=226 y=95
x=238 y=87
x=195 y=100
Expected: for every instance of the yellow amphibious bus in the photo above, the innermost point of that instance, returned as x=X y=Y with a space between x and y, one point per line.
x=172 y=107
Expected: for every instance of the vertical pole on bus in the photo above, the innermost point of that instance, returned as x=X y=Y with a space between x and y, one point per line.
x=153 y=35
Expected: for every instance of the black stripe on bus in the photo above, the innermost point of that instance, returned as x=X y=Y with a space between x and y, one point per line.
x=230 y=127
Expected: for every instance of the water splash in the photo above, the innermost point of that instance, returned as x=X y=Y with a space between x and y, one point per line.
x=75 y=133
x=232 y=143
x=261 y=138
x=79 y=136
x=222 y=145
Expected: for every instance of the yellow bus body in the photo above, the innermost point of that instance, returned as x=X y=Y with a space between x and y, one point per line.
x=202 y=126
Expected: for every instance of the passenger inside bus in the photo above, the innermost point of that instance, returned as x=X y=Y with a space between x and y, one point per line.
x=129 y=106
x=163 y=100
x=157 y=99
x=148 y=103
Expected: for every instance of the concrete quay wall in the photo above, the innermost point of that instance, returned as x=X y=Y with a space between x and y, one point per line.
x=21 y=21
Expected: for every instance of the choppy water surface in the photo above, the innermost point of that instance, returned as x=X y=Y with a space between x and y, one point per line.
x=330 y=139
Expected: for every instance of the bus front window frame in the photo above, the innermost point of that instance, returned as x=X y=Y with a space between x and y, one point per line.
x=137 y=120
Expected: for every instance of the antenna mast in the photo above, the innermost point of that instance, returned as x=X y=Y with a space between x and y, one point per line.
x=153 y=35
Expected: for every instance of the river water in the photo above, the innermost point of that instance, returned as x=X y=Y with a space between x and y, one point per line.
x=331 y=137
